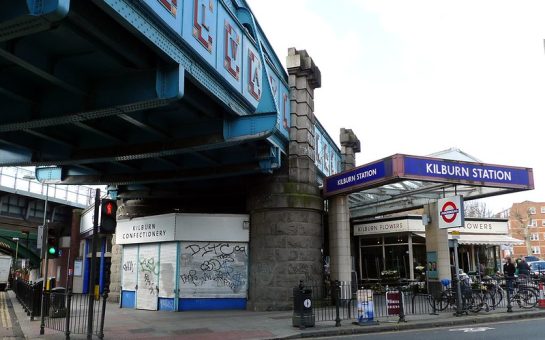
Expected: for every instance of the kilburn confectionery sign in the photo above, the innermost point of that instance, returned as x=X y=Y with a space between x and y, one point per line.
x=150 y=229
x=404 y=167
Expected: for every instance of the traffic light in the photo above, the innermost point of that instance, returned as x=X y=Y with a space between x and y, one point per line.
x=108 y=209
x=52 y=249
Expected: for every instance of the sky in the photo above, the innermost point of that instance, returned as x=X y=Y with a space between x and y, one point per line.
x=421 y=76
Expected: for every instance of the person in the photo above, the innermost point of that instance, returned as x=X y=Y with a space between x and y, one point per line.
x=482 y=269
x=523 y=268
x=509 y=272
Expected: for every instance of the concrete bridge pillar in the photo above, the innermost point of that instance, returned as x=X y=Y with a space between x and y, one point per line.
x=286 y=234
x=339 y=215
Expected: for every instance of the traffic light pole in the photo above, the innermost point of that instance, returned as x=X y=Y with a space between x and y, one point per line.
x=92 y=267
x=44 y=282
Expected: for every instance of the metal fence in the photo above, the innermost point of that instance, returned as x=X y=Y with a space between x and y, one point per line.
x=29 y=295
x=65 y=311
x=347 y=301
x=68 y=312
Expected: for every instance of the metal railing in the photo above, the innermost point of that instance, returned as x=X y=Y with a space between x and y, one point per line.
x=67 y=312
x=339 y=301
x=29 y=295
x=20 y=180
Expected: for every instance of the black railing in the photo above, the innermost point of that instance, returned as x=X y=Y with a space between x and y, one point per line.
x=68 y=312
x=65 y=311
x=29 y=295
x=339 y=301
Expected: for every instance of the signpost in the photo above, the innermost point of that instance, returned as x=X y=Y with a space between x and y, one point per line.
x=451 y=215
x=451 y=212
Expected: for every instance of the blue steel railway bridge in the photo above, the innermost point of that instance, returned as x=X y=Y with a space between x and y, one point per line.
x=176 y=106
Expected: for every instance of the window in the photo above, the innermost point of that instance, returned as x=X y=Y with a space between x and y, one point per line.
x=543 y=223
x=536 y=250
x=532 y=223
x=532 y=211
x=543 y=210
x=534 y=237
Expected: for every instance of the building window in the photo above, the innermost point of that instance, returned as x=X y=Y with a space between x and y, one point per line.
x=543 y=210
x=534 y=237
x=532 y=223
x=532 y=211
x=536 y=250
x=543 y=223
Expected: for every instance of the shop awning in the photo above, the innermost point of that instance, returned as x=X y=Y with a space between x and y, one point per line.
x=487 y=239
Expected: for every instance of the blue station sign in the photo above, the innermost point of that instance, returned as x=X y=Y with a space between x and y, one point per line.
x=398 y=168
x=466 y=172
x=366 y=175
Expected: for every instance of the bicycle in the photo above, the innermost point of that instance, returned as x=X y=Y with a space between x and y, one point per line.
x=471 y=300
x=492 y=292
x=525 y=296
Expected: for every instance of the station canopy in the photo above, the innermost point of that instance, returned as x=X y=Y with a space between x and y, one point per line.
x=403 y=182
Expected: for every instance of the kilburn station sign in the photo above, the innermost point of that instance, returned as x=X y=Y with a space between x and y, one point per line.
x=400 y=167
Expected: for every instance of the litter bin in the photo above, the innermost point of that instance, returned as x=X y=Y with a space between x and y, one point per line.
x=57 y=306
x=303 y=316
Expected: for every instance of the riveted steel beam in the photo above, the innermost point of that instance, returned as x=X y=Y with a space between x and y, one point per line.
x=20 y=18
x=166 y=176
x=133 y=15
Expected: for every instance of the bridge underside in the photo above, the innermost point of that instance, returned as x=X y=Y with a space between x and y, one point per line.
x=81 y=91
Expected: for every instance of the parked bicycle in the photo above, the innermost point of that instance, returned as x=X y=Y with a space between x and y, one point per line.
x=492 y=292
x=523 y=294
x=471 y=300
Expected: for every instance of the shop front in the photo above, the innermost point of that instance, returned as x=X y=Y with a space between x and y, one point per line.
x=179 y=262
x=392 y=248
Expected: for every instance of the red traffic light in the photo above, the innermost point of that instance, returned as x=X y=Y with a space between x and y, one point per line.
x=108 y=209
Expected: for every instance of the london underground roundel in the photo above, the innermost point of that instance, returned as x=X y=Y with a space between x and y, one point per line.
x=450 y=212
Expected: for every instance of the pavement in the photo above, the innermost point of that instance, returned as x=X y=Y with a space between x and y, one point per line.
x=140 y=324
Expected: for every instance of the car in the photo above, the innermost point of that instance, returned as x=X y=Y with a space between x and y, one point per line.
x=537 y=268
x=531 y=258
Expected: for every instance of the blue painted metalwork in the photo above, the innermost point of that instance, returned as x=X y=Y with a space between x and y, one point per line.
x=31 y=16
x=181 y=88
x=228 y=48
x=327 y=154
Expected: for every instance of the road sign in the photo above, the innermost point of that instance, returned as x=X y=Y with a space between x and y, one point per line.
x=455 y=234
x=451 y=212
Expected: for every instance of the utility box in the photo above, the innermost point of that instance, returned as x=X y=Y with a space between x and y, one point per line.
x=303 y=315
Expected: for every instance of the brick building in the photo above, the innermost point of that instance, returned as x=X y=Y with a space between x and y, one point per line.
x=527 y=223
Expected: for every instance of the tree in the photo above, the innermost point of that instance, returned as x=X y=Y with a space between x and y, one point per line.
x=522 y=218
x=476 y=209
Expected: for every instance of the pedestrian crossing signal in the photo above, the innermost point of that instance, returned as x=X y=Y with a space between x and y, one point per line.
x=108 y=210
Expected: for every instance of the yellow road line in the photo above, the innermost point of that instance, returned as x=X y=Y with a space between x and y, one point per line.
x=4 y=312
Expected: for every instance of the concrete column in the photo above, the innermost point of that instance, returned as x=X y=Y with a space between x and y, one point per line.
x=437 y=241
x=286 y=209
x=339 y=215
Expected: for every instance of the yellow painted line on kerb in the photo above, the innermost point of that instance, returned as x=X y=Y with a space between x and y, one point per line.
x=4 y=313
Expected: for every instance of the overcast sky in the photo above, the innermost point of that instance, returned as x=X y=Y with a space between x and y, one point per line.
x=417 y=77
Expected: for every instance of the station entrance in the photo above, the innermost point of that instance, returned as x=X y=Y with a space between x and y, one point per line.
x=398 y=208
